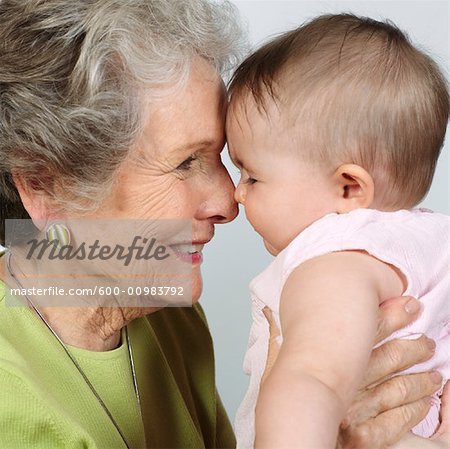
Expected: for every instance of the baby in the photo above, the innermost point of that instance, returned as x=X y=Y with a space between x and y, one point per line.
x=336 y=128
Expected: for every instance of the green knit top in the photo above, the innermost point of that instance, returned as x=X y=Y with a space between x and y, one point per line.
x=46 y=404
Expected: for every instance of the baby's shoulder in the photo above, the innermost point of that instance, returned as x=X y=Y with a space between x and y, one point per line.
x=404 y=231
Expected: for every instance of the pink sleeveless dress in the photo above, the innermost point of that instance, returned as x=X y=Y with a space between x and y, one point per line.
x=416 y=241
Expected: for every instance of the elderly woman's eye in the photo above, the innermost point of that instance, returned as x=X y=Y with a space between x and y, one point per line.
x=187 y=163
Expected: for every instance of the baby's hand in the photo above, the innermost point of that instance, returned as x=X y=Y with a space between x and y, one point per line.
x=274 y=347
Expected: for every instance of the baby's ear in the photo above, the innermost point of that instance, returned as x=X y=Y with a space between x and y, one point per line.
x=355 y=188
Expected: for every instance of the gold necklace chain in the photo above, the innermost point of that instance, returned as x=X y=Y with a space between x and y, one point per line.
x=77 y=365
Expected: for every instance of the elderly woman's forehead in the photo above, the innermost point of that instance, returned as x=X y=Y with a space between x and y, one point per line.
x=195 y=145
x=189 y=117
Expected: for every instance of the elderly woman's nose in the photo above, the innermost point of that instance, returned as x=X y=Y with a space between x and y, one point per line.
x=222 y=207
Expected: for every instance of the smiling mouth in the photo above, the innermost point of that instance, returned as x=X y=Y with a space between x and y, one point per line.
x=187 y=248
x=189 y=252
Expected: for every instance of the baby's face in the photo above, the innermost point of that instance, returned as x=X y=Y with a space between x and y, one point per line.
x=281 y=194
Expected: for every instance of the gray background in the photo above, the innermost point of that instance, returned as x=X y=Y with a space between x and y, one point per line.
x=236 y=254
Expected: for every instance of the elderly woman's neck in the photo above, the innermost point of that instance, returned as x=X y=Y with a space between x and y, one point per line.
x=91 y=328
x=94 y=329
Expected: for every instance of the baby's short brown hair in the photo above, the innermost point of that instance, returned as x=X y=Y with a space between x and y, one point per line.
x=360 y=93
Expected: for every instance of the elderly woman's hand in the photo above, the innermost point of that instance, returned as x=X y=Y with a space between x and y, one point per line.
x=441 y=439
x=385 y=408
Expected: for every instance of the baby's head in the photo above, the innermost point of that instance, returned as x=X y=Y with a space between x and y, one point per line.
x=339 y=114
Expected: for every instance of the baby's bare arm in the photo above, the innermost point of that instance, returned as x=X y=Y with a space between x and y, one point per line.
x=325 y=350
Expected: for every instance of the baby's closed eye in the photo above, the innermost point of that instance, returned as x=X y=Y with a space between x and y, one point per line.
x=250 y=180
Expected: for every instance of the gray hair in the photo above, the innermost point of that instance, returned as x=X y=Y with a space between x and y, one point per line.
x=71 y=77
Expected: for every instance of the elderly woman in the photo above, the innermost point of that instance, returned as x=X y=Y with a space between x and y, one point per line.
x=113 y=109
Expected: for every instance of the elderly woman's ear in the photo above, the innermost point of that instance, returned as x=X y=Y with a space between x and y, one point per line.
x=36 y=203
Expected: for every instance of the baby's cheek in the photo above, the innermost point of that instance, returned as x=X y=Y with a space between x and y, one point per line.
x=251 y=214
x=261 y=219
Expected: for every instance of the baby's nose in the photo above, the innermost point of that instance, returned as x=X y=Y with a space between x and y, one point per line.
x=239 y=194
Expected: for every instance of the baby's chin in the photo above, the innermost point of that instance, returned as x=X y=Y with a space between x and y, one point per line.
x=271 y=249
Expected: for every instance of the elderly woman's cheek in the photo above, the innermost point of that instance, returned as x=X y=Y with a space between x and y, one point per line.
x=162 y=200
x=162 y=197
